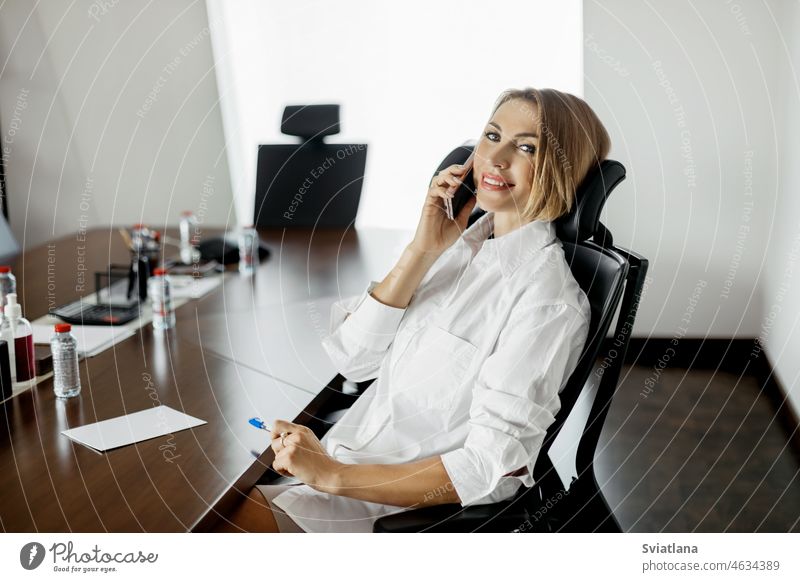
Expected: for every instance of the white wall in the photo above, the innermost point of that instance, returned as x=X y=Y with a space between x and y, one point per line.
x=122 y=120
x=684 y=88
x=780 y=328
x=414 y=80
x=732 y=66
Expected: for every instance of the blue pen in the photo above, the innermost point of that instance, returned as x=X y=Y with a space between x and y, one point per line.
x=258 y=423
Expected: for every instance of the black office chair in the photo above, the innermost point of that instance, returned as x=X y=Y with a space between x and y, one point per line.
x=310 y=184
x=609 y=276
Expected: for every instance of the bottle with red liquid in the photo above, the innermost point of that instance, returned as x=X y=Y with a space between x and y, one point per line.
x=17 y=331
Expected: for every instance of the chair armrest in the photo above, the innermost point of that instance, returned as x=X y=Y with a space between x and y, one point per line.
x=453 y=518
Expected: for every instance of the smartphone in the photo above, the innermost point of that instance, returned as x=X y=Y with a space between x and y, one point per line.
x=467 y=188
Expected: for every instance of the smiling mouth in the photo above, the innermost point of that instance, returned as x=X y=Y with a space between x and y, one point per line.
x=493 y=184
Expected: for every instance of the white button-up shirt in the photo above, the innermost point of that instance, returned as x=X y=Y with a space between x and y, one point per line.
x=470 y=370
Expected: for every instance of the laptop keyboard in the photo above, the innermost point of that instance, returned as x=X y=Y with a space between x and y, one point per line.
x=80 y=313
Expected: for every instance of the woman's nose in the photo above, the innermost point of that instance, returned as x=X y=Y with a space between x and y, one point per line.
x=498 y=157
x=498 y=161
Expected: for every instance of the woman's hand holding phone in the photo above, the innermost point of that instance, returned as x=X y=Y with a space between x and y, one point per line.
x=435 y=231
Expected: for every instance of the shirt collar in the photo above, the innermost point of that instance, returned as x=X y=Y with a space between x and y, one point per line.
x=513 y=249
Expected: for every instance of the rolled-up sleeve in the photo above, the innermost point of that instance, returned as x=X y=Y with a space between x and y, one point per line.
x=361 y=331
x=515 y=400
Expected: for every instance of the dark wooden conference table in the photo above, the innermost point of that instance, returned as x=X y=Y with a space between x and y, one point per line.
x=249 y=348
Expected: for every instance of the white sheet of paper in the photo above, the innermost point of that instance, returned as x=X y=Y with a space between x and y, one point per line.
x=132 y=428
x=92 y=339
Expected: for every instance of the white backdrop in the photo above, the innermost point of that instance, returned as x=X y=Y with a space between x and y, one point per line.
x=413 y=79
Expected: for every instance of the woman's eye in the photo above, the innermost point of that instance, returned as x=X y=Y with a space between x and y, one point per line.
x=492 y=136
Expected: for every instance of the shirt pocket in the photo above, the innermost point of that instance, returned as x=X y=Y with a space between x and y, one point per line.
x=429 y=372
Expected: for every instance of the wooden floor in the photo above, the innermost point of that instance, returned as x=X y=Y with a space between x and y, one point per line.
x=705 y=451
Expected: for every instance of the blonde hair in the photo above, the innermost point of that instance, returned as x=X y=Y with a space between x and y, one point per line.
x=572 y=141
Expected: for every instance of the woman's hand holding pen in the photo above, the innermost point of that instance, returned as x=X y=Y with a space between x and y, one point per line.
x=435 y=231
x=300 y=454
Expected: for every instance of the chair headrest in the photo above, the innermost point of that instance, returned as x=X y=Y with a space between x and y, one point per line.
x=311 y=122
x=583 y=221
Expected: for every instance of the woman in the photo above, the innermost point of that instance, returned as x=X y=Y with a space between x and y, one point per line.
x=471 y=337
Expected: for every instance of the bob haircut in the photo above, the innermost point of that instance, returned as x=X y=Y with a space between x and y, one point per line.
x=572 y=141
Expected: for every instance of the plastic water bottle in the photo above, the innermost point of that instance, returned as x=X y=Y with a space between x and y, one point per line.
x=17 y=331
x=161 y=300
x=190 y=254
x=248 y=250
x=66 y=375
x=8 y=283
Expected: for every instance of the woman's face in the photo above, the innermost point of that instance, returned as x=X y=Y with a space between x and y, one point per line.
x=506 y=152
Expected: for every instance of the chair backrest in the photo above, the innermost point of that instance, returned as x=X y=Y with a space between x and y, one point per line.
x=601 y=271
x=310 y=184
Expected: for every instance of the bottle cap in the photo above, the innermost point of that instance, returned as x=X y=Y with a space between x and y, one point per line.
x=187 y=213
x=62 y=327
x=159 y=271
x=13 y=309
x=5 y=269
